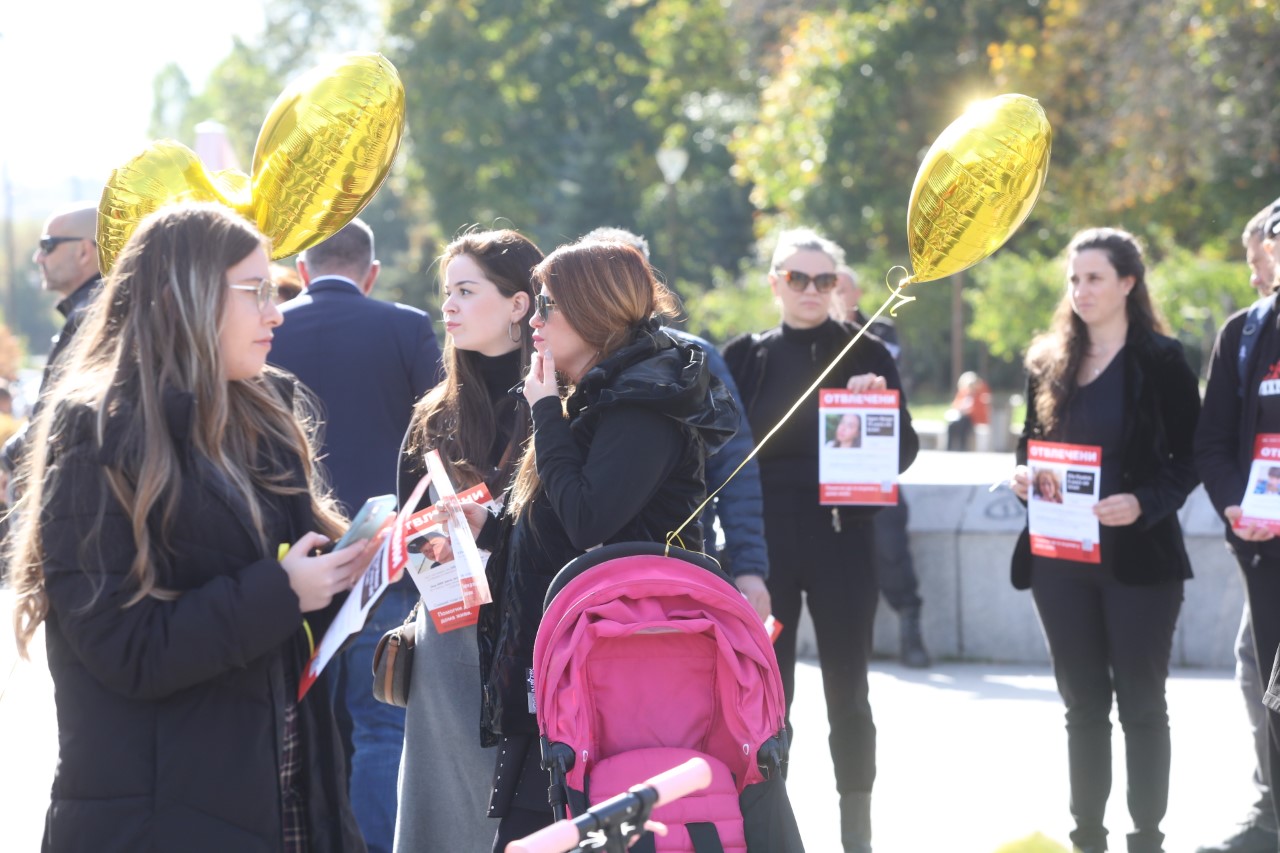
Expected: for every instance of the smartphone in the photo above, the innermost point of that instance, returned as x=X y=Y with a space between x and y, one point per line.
x=368 y=520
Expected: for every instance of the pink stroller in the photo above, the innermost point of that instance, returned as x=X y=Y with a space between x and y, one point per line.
x=643 y=661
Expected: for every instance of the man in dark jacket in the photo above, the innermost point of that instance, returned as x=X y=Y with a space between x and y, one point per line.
x=1257 y=832
x=368 y=361
x=1242 y=401
x=68 y=260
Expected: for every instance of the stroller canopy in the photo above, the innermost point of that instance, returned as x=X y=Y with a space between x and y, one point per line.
x=639 y=650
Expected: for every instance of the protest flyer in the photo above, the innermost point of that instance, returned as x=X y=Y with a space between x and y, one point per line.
x=1065 y=483
x=433 y=567
x=1261 y=502
x=364 y=596
x=857 y=447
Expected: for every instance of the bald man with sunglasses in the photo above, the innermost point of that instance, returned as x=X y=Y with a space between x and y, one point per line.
x=67 y=256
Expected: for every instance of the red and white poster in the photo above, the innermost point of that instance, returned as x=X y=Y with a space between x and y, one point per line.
x=1065 y=484
x=431 y=541
x=857 y=447
x=1260 y=505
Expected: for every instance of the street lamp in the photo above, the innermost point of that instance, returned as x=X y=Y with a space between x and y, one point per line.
x=672 y=162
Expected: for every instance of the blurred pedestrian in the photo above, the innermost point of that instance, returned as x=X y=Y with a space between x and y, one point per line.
x=1105 y=375
x=971 y=407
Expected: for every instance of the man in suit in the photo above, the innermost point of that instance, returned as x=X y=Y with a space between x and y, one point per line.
x=368 y=361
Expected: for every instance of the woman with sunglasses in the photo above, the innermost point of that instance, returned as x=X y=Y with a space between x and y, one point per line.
x=165 y=540
x=480 y=429
x=824 y=553
x=623 y=416
x=1106 y=375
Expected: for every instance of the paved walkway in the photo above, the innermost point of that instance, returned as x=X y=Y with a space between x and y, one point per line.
x=971 y=757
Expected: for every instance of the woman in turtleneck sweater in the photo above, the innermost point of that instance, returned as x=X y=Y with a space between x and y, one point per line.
x=826 y=553
x=479 y=429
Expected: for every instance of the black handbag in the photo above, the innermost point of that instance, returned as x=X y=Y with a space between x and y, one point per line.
x=393 y=662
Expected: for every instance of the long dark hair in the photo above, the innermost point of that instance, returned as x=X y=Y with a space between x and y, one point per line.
x=457 y=417
x=1053 y=359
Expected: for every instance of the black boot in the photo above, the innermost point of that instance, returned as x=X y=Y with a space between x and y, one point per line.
x=855 y=822
x=911 y=649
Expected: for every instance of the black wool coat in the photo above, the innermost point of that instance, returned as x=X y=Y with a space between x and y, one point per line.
x=1161 y=408
x=171 y=712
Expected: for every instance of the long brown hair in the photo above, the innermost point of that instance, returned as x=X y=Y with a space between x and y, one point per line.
x=1053 y=359
x=605 y=291
x=155 y=328
x=507 y=258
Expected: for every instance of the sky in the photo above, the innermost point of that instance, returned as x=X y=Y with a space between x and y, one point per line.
x=75 y=84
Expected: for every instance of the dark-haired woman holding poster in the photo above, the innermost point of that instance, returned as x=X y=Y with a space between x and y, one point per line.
x=1104 y=376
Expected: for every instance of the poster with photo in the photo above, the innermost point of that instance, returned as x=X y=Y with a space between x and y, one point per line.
x=1261 y=502
x=1065 y=484
x=857 y=447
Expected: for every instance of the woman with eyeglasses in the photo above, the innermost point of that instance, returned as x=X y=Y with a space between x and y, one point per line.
x=480 y=429
x=824 y=553
x=166 y=542
x=623 y=416
x=1106 y=375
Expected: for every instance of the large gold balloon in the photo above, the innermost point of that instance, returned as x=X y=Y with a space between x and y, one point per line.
x=166 y=172
x=324 y=150
x=977 y=184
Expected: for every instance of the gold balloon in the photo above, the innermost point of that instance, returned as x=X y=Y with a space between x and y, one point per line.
x=977 y=184
x=166 y=172
x=324 y=150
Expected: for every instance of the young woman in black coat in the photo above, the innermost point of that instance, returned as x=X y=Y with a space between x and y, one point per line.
x=480 y=429
x=822 y=555
x=1104 y=375
x=167 y=476
x=620 y=459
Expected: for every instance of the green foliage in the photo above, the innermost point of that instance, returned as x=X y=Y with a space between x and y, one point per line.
x=1012 y=299
x=1196 y=295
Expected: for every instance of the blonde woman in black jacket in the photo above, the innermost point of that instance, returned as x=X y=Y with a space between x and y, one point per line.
x=1104 y=375
x=168 y=475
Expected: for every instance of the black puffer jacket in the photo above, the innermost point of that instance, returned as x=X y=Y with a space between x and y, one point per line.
x=625 y=464
x=171 y=712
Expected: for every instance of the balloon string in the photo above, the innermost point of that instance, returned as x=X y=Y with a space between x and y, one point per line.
x=895 y=301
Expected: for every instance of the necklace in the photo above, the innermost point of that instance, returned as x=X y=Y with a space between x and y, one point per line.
x=1101 y=358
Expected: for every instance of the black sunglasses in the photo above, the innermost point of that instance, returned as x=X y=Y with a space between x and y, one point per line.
x=824 y=282
x=48 y=244
x=543 y=305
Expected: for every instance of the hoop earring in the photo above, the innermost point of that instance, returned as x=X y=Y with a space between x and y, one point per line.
x=513 y=333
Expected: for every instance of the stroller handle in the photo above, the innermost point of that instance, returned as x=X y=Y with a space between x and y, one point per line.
x=634 y=806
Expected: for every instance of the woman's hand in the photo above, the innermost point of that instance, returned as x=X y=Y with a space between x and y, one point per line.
x=1020 y=482
x=1118 y=510
x=753 y=587
x=1251 y=532
x=540 y=382
x=865 y=382
x=316 y=580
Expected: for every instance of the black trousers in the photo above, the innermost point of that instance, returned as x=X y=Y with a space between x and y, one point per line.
x=894 y=566
x=1111 y=639
x=1262 y=585
x=836 y=570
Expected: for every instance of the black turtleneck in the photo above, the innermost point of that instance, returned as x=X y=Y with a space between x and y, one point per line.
x=500 y=373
